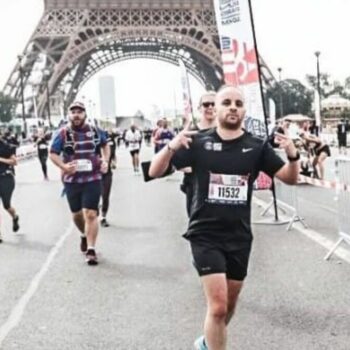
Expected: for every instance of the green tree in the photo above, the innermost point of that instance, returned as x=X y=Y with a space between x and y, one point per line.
x=338 y=90
x=325 y=85
x=296 y=98
x=7 y=108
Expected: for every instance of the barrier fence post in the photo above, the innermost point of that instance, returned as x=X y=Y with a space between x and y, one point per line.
x=264 y=182
x=342 y=166
x=287 y=200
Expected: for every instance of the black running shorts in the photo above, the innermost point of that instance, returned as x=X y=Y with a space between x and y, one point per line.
x=215 y=257
x=324 y=149
x=83 y=195
x=135 y=151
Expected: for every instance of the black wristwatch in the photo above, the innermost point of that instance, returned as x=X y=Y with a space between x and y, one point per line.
x=294 y=159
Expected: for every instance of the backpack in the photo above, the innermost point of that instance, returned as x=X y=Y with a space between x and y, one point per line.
x=69 y=142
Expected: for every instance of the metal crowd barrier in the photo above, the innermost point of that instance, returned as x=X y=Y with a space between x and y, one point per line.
x=342 y=166
x=26 y=151
x=287 y=199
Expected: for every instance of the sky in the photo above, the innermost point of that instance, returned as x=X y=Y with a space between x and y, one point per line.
x=288 y=33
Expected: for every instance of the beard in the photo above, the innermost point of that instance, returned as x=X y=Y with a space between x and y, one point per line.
x=77 y=122
x=230 y=125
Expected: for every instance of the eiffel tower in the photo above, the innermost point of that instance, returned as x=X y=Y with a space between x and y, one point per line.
x=76 y=38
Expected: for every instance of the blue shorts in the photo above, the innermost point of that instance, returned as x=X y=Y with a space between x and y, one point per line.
x=83 y=195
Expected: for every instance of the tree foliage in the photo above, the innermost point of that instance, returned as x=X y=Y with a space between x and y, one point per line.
x=325 y=84
x=7 y=108
x=290 y=97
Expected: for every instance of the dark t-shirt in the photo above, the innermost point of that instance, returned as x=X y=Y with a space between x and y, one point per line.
x=341 y=129
x=11 y=140
x=43 y=147
x=163 y=138
x=223 y=176
x=6 y=151
x=112 y=146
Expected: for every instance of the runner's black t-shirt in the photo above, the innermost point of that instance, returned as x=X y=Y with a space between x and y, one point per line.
x=6 y=151
x=223 y=175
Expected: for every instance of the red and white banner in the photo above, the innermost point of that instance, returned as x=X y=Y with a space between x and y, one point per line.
x=186 y=94
x=239 y=58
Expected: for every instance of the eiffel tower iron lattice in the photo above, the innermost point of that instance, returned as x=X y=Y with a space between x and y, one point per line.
x=76 y=38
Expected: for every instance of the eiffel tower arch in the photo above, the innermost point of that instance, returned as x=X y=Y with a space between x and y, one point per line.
x=76 y=38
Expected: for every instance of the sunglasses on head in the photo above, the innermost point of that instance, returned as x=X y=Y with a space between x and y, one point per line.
x=208 y=104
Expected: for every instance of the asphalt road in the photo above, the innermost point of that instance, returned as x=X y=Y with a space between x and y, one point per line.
x=145 y=293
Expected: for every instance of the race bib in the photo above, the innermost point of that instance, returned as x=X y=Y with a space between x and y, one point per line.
x=228 y=189
x=84 y=165
x=42 y=146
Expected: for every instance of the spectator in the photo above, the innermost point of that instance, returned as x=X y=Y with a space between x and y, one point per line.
x=342 y=129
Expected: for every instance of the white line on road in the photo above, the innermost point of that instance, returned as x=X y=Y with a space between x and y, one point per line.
x=315 y=236
x=17 y=312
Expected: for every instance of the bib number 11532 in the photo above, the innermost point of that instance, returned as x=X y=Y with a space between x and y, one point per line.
x=228 y=189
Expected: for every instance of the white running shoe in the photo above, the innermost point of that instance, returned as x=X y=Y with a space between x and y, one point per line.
x=199 y=344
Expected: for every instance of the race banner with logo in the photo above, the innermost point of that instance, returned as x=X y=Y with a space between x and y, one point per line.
x=239 y=58
x=240 y=64
x=186 y=94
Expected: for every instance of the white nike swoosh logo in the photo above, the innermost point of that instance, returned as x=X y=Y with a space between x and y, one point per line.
x=245 y=150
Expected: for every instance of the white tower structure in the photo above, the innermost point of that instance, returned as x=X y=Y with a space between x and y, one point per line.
x=107 y=96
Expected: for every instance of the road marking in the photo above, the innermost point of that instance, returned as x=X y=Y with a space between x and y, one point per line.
x=315 y=236
x=17 y=312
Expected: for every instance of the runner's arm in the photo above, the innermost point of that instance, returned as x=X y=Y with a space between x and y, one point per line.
x=56 y=149
x=310 y=138
x=9 y=161
x=105 y=148
x=289 y=172
x=57 y=160
x=106 y=152
x=161 y=160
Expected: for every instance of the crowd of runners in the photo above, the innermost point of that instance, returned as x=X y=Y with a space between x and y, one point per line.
x=220 y=161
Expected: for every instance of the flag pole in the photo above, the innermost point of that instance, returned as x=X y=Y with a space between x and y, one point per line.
x=273 y=188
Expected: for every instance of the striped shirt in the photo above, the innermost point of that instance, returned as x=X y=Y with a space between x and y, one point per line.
x=80 y=145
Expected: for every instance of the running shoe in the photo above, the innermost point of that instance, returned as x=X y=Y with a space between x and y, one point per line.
x=83 y=244
x=104 y=223
x=91 y=257
x=199 y=344
x=15 y=223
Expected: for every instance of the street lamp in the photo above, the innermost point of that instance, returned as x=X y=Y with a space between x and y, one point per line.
x=280 y=90
x=21 y=72
x=47 y=78
x=317 y=54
